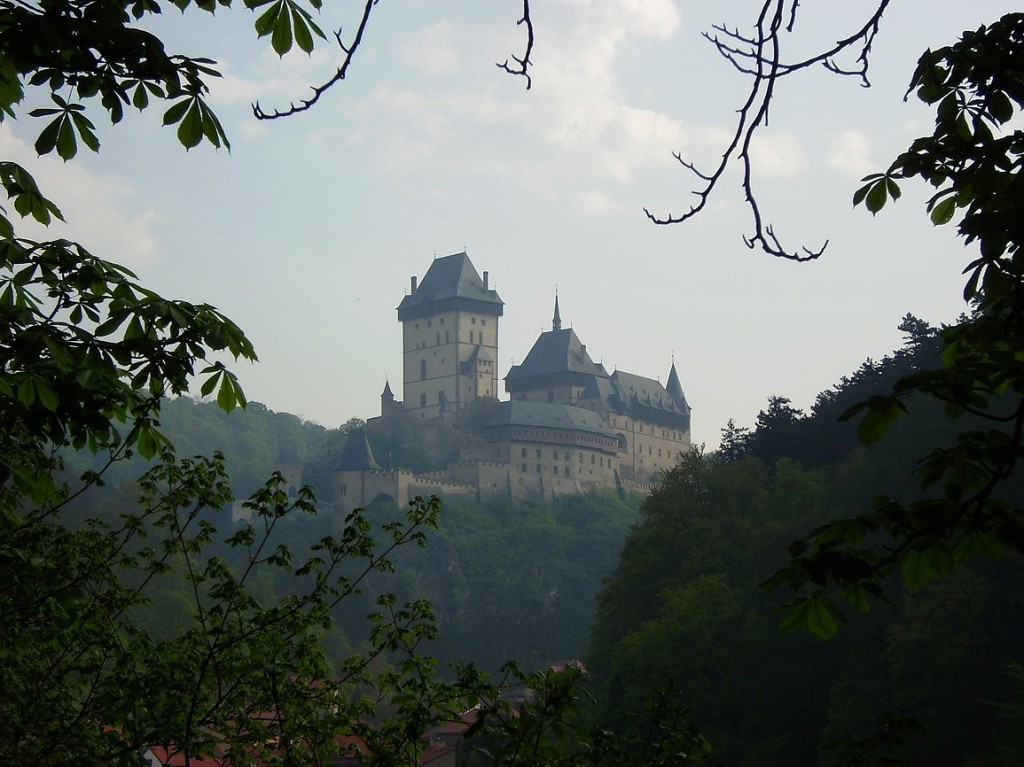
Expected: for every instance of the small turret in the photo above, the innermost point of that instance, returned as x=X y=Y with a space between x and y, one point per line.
x=556 y=321
x=675 y=389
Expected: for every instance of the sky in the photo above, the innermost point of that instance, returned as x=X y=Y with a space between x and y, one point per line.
x=307 y=232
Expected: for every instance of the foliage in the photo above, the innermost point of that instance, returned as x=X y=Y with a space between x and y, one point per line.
x=113 y=690
x=972 y=159
x=550 y=727
x=87 y=356
x=915 y=681
x=96 y=51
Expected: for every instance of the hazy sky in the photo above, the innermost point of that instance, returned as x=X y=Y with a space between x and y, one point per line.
x=308 y=231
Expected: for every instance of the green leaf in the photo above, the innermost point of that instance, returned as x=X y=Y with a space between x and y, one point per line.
x=86 y=131
x=147 y=442
x=266 y=21
x=26 y=392
x=823 y=617
x=173 y=115
x=876 y=196
x=943 y=212
x=881 y=411
x=1000 y=107
x=67 y=144
x=47 y=139
x=47 y=397
x=917 y=567
x=303 y=37
x=281 y=40
x=210 y=383
x=190 y=129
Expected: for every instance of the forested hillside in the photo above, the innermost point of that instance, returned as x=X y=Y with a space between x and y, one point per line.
x=686 y=605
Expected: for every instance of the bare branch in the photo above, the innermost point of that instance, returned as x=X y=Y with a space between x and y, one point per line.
x=759 y=57
x=524 y=63
x=339 y=75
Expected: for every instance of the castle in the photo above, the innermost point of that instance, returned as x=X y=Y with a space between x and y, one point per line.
x=568 y=426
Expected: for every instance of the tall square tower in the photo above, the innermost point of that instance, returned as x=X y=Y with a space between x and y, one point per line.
x=449 y=338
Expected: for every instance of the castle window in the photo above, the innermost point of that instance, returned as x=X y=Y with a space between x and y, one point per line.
x=423 y=400
x=524 y=453
x=566 y=455
x=472 y=320
x=524 y=467
x=428 y=323
x=538 y=453
x=551 y=395
x=441 y=321
x=592 y=460
x=555 y=469
x=538 y=468
x=471 y=336
x=483 y=322
x=438 y=340
x=440 y=397
x=423 y=370
x=343 y=489
x=446 y=336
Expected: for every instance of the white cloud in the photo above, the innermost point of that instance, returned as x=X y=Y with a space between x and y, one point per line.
x=578 y=120
x=850 y=153
x=98 y=210
x=776 y=154
x=594 y=202
x=432 y=49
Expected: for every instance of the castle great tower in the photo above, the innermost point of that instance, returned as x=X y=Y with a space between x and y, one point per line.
x=449 y=338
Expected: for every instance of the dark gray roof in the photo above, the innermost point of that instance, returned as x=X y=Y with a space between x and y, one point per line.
x=632 y=389
x=450 y=281
x=556 y=351
x=357 y=454
x=675 y=389
x=542 y=414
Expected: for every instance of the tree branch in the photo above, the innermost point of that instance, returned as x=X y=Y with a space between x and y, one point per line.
x=759 y=57
x=339 y=75
x=522 y=64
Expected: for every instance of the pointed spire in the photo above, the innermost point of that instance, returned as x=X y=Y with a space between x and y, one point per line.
x=674 y=388
x=556 y=321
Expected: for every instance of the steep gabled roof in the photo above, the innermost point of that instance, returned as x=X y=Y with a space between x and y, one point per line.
x=450 y=282
x=554 y=352
x=632 y=391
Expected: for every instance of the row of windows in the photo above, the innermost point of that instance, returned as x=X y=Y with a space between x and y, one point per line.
x=564 y=455
x=474 y=338
x=525 y=468
x=430 y=323
x=650 y=430
x=650 y=450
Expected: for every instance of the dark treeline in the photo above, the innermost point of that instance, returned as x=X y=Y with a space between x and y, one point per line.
x=685 y=606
